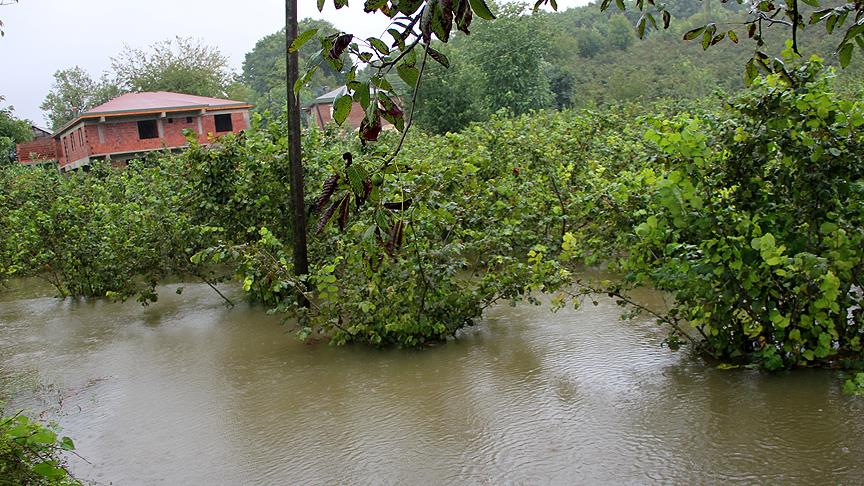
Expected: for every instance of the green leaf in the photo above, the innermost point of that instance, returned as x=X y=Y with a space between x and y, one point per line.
x=398 y=40
x=408 y=7
x=356 y=176
x=845 y=55
x=620 y=4
x=812 y=3
x=381 y=83
x=441 y=24
x=298 y=85
x=481 y=9
x=373 y=5
x=302 y=39
x=66 y=444
x=692 y=34
x=409 y=74
x=342 y=108
x=751 y=72
x=439 y=57
x=48 y=470
x=820 y=15
x=733 y=36
x=44 y=437
x=320 y=5
x=379 y=45
x=361 y=94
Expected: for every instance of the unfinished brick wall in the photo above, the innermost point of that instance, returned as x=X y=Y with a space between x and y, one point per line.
x=44 y=148
x=113 y=137
x=74 y=145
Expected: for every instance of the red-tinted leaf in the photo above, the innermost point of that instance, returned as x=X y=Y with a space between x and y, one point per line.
x=339 y=45
x=327 y=191
x=371 y=128
x=398 y=206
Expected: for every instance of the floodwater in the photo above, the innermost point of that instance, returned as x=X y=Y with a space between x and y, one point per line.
x=187 y=392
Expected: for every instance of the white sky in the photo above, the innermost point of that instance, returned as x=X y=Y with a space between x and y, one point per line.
x=43 y=36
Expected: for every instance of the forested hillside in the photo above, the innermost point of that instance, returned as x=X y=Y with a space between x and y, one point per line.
x=583 y=57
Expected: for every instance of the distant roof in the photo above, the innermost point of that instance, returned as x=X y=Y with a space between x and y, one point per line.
x=36 y=128
x=150 y=102
x=331 y=96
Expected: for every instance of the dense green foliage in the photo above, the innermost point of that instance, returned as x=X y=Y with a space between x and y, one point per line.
x=90 y=234
x=31 y=453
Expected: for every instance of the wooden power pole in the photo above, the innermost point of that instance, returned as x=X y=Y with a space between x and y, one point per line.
x=301 y=259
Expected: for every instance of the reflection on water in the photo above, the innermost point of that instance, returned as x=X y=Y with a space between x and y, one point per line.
x=188 y=392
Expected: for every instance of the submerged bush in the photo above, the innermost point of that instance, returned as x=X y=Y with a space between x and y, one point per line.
x=754 y=222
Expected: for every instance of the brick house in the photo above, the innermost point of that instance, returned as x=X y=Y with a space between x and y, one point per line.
x=320 y=111
x=136 y=123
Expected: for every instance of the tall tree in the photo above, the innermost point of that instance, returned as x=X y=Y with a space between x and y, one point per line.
x=620 y=34
x=264 y=68
x=182 y=65
x=511 y=53
x=12 y=131
x=74 y=91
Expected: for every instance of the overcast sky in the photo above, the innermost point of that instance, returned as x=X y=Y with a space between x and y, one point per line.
x=43 y=36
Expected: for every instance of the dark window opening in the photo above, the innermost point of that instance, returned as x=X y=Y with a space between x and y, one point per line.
x=223 y=123
x=170 y=120
x=81 y=136
x=147 y=129
x=71 y=138
x=188 y=119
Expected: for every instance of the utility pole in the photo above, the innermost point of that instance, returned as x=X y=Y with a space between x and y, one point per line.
x=301 y=259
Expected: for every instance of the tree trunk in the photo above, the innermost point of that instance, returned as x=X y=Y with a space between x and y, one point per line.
x=301 y=263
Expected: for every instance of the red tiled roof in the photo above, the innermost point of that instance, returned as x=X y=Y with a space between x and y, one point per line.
x=158 y=100
x=150 y=102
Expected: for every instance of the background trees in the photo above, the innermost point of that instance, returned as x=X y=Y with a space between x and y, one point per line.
x=592 y=58
x=264 y=69
x=181 y=64
x=74 y=91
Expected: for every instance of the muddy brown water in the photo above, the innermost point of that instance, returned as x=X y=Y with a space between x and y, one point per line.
x=187 y=392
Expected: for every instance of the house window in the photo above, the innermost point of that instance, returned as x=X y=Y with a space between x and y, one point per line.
x=223 y=123
x=188 y=119
x=147 y=129
x=170 y=120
